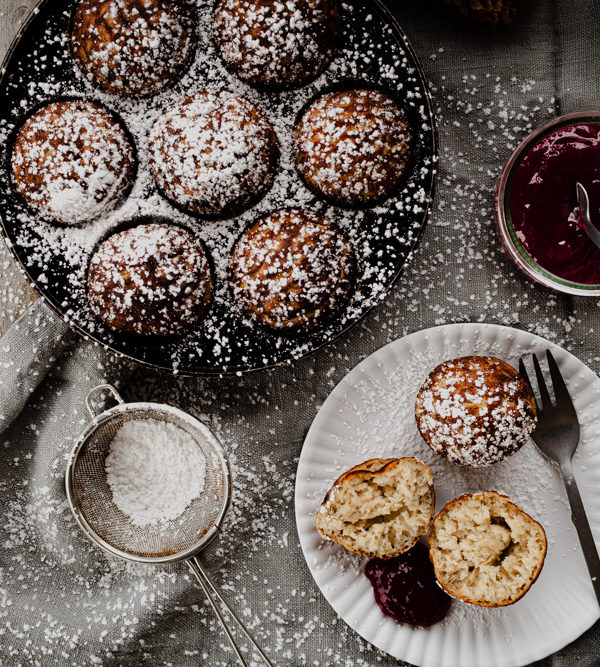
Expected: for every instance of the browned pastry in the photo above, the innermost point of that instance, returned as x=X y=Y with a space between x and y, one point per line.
x=132 y=47
x=72 y=161
x=486 y=550
x=475 y=410
x=153 y=279
x=292 y=271
x=275 y=44
x=352 y=147
x=486 y=11
x=213 y=153
x=379 y=508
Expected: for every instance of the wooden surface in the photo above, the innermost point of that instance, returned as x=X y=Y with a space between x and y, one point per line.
x=15 y=293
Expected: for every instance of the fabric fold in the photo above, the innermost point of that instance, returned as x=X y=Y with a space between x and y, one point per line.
x=28 y=351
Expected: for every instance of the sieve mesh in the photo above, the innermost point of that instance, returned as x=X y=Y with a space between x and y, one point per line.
x=92 y=498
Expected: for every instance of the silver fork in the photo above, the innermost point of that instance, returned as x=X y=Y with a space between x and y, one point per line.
x=557 y=436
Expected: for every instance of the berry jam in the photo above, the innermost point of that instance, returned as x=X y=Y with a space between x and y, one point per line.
x=543 y=202
x=405 y=588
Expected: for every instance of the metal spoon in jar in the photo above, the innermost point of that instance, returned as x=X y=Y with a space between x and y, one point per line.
x=584 y=220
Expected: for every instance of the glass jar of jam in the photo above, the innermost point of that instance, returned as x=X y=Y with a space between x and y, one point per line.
x=536 y=207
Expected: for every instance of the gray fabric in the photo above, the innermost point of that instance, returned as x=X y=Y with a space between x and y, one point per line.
x=63 y=601
x=36 y=341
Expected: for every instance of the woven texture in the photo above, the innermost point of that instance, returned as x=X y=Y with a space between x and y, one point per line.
x=63 y=601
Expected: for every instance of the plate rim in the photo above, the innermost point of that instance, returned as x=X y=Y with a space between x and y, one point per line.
x=301 y=521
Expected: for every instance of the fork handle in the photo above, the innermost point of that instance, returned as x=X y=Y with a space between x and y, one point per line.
x=586 y=539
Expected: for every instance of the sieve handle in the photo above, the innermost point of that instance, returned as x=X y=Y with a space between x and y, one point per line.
x=95 y=390
x=205 y=581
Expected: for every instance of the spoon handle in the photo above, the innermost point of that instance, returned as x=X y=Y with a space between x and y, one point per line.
x=585 y=221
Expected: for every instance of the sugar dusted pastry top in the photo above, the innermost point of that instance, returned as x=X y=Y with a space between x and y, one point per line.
x=71 y=161
x=132 y=47
x=152 y=279
x=353 y=147
x=475 y=410
x=292 y=270
x=213 y=153
x=277 y=44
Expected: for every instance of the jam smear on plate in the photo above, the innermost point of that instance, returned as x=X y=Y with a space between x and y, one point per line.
x=405 y=588
x=543 y=201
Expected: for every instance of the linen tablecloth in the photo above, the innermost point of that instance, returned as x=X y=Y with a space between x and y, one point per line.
x=64 y=602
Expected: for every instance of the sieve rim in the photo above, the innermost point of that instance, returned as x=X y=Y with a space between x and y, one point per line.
x=123 y=408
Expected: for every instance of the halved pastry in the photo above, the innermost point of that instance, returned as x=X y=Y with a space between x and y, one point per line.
x=379 y=508
x=485 y=549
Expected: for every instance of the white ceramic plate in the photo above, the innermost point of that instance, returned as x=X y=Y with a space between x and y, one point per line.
x=370 y=414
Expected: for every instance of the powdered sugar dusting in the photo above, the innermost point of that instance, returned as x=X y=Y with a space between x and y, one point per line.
x=353 y=146
x=475 y=410
x=72 y=161
x=292 y=270
x=154 y=470
x=152 y=279
x=213 y=153
x=278 y=43
x=134 y=47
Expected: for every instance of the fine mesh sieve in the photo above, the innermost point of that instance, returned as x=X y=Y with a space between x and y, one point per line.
x=90 y=497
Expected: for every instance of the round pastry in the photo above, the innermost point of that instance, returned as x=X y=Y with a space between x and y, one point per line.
x=353 y=147
x=71 y=161
x=486 y=550
x=292 y=271
x=153 y=279
x=132 y=47
x=379 y=508
x=274 y=44
x=475 y=410
x=213 y=153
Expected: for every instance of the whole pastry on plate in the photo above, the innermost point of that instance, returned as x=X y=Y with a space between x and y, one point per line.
x=152 y=279
x=379 y=508
x=133 y=47
x=292 y=271
x=213 y=153
x=274 y=44
x=475 y=410
x=353 y=147
x=72 y=161
x=485 y=549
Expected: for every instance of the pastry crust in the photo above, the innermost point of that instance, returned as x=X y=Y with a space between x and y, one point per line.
x=353 y=147
x=379 y=508
x=475 y=410
x=153 y=279
x=213 y=153
x=132 y=47
x=276 y=45
x=72 y=161
x=292 y=271
x=486 y=550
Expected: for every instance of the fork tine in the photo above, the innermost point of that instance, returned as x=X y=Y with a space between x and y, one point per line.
x=560 y=388
x=544 y=395
x=525 y=376
x=523 y=373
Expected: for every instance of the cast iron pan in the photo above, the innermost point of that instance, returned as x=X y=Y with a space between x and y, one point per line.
x=374 y=52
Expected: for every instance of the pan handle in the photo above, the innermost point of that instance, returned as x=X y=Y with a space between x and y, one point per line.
x=95 y=390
